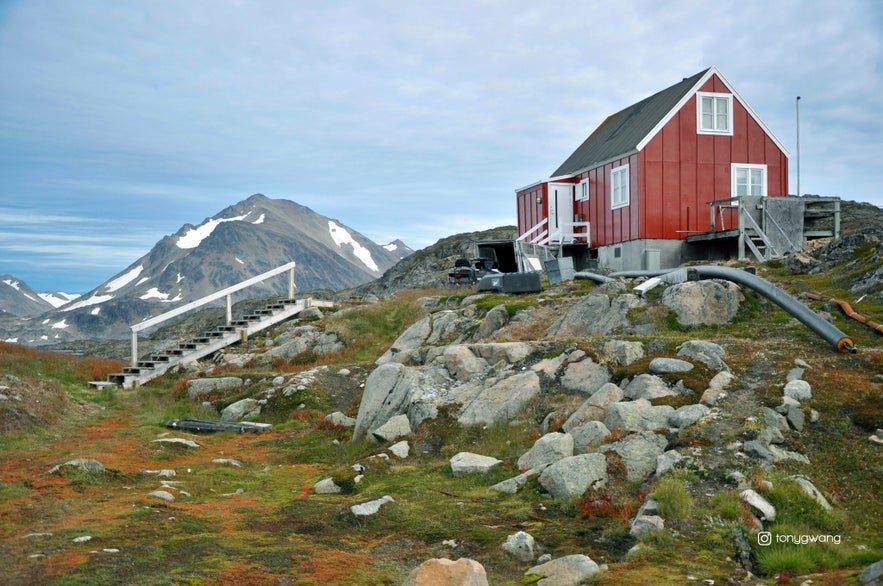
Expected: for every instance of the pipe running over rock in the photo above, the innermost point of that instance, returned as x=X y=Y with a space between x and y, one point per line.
x=801 y=312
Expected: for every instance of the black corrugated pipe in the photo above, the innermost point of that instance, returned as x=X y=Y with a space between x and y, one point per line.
x=593 y=277
x=805 y=315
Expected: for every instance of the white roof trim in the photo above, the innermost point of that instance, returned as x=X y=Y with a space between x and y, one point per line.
x=691 y=94
x=534 y=184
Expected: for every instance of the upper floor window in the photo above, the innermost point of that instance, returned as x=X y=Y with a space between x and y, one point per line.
x=619 y=187
x=582 y=190
x=714 y=113
x=748 y=179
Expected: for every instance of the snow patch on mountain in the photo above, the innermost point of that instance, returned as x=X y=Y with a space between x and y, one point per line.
x=56 y=300
x=124 y=279
x=94 y=300
x=260 y=220
x=392 y=246
x=195 y=236
x=13 y=284
x=60 y=325
x=341 y=236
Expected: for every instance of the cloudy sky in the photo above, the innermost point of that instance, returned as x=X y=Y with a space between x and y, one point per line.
x=122 y=121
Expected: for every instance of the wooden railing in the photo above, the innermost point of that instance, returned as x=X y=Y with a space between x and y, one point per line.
x=289 y=267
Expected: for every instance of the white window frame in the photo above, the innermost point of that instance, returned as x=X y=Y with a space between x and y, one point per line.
x=582 y=190
x=734 y=170
x=619 y=197
x=714 y=129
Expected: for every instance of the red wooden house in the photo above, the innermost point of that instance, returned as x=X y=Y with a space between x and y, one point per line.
x=662 y=181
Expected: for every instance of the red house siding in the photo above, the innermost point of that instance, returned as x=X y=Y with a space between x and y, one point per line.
x=530 y=213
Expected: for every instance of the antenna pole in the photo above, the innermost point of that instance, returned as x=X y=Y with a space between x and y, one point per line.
x=797 y=106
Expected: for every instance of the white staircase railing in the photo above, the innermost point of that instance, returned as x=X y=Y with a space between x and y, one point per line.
x=289 y=267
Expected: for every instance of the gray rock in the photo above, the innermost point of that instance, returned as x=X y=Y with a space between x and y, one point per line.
x=247 y=409
x=511 y=485
x=85 y=464
x=386 y=393
x=810 y=489
x=647 y=386
x=646 y=524
x=707 y=302
x=758 y=505
x=444 y=572
x=795 y=374
x=669 y=366
x=397 y=426
x=202 y=387
x=548 y=449
x=570 y=477
x=502 y=401
x=623 y=352
x=549 y=366
x=371 y=507
x=163 y=494
x=709 y=353
x=775 y=420
x=467 y=463
x=521 y=546
x=873 y=574
x=595 y=315
x=687 y=415
x=585 y=376
x=339 y=419
x=798 y=389
x=638 y=415
x=411 y=339
x=400 y=449
x=289 y=349
x=463 y=364
x=595 y=407
x=757 y=449
x=721 y=380
x=796 y=417
x=176 y=441
x=326 y=486
x=569 y=570
x=588 y=435
x=495 y=352
x=666 y=461
x=639 y=452
x=495 y=319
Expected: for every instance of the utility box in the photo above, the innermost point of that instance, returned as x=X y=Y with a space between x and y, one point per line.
x=652 y=259
x=511 y=283
x=559 y=269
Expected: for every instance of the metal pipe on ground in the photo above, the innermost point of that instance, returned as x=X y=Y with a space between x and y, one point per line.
x=801 y=312
x=593 y=277
x=849 y=311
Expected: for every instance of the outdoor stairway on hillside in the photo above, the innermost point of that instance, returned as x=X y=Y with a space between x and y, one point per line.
x=211 y=341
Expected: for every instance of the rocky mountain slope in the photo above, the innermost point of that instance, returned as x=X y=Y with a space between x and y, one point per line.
x=17 y=298
x=241 y=241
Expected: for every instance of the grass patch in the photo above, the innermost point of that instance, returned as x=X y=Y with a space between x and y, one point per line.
x=675 y=500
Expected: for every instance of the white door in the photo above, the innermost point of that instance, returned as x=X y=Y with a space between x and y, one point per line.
x=560 y=210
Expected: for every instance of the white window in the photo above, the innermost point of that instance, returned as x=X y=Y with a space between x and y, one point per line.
x=748 y=179
x=582 y=190
x=619 y=187
x=714 y=113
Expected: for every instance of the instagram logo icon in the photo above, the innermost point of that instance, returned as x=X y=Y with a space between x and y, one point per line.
x=764 y=538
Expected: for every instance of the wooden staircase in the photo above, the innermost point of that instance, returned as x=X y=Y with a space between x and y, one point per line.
x=209 y=342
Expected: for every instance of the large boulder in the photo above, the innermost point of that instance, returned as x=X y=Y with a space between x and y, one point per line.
x=595 y=315
x=445 y=572
x=388 y=391
x=247 y=409
x=709 y=302
x=547 y=450
x=591 y=433
x=623 y=352
x=638 y=415
x=203 y=387
x=709 y=353
x=648 y=386
x=595 y=407
x=569 y=570
x=569 y=478
x=585 y=376
x=462 y=363
x=495 y=319
x=411 y=339
x=639 y=453
x=467 y=463
x=501 y=401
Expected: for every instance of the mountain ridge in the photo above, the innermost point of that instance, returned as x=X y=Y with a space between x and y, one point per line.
x=239 y=242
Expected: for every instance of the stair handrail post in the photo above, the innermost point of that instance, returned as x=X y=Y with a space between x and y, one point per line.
x=291 y=283
x=229 y=308
x=134 y=348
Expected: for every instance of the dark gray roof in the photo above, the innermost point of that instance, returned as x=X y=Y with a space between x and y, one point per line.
x=621 y=132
